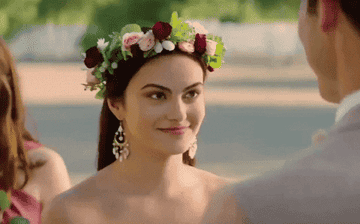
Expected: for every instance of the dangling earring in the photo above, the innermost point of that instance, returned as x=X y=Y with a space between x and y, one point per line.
x=120 y=146
x=192 y=149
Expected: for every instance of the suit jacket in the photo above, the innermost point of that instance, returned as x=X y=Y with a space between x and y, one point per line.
x=320 y=185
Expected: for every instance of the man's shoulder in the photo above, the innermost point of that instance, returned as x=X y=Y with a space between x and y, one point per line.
x=320 y=184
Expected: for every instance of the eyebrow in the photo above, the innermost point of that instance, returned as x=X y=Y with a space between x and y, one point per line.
x=169 y=90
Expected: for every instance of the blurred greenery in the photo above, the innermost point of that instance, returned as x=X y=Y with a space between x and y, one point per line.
x=102 y=17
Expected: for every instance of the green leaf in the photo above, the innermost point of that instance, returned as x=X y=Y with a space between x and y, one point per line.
x=101 y=94
x=111 y=70
x=125 y=54
x=114 y=43
x=174 y=19
x=19 y=220
x=4 y=201
x=152 y=53
x=215 y=62
x=182 y=32
x=130 y=28
x=149 y=53
x=97 y=74
x=219 y=49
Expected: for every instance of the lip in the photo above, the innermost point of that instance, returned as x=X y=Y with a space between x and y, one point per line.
x=174 y=130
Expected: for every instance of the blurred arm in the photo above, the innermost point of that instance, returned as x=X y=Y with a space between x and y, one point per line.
x=52 y=178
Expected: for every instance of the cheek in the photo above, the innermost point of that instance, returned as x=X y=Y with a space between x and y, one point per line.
x=136 y=118
x=198 y=112
x=302 y=28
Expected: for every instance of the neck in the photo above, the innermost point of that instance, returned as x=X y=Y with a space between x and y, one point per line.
x=348 y=47
x=156 y=174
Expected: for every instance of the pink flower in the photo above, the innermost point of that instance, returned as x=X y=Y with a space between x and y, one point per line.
x=147 y=41
x=161 y=30
x=130 y=39
x=210 y=47
x=187 y=46
x=199 y=28
x=200 y=43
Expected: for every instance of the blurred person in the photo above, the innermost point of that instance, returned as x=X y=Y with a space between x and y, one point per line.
x=322 y=183
x=30 y=173
x=153 y=108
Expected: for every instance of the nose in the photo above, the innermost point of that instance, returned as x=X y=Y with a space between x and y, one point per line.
x=177 y=110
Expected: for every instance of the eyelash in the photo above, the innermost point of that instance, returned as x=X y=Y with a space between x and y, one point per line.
x=196 y=93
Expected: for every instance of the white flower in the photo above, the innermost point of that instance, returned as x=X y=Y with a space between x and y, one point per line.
x=168 y=45
x=187 y=46
x=210 y=47
x=101 y=69
x=130 y=39
x=199 y=28
x=147 y=41
x=101 y=44
x=114 y=65
x=104 y=65
x=158 y=47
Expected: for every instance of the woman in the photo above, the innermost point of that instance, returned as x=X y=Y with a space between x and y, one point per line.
x=152 y=112
x=30 y=173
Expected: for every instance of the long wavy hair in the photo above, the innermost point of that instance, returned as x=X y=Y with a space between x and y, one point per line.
x=115 y=88
x=351 y=8
x=13 y=133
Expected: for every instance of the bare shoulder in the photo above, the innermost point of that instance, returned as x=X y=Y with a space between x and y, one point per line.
x=44 y=154
x=222 y=204
x=76 y=205
x=52 y=178
x=54 y=166
x=58 y=211
x=213 y=181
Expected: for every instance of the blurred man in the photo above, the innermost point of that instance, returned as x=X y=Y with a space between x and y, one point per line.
x=323 y=184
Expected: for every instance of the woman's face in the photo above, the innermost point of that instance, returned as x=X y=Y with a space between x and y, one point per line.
x=164 y=105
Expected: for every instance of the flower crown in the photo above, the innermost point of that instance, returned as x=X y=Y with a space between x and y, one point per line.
x=188 y=37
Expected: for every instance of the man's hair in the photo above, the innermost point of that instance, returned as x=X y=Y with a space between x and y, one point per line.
x=351 y=8
x=312 y=7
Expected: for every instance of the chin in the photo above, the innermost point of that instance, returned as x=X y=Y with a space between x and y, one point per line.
x=329 y=94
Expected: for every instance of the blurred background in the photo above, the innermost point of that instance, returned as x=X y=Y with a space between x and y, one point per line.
x=263 y=105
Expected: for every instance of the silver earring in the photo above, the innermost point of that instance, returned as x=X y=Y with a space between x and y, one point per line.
x=120 y=145
x=192 y=149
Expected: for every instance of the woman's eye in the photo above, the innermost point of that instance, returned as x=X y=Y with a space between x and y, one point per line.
x=157 y=96
x=192 y=94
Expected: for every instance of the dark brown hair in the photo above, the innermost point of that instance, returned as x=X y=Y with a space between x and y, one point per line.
x=13 y=156
x=351 y=8
x=115 y=88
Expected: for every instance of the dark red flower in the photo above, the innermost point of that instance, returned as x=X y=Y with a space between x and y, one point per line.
x=211 y=69
x=200 y=43
x=161 y=30
x=93 y=57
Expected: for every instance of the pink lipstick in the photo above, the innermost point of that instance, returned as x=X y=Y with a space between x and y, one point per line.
x=174 y=130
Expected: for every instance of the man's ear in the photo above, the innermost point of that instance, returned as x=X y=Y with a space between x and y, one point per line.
x=329 y=11
x=117 y=108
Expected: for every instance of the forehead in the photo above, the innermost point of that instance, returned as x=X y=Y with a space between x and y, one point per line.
x=171 y=71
